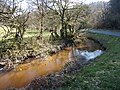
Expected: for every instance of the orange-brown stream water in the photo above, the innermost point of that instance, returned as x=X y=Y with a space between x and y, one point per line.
x=25 y=73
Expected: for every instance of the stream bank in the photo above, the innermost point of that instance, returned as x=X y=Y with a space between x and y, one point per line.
x=45 y=66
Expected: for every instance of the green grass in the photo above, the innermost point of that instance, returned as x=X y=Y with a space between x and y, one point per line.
x=29 y=37
x=103 y=73
x=31 y=33
x=28 y=33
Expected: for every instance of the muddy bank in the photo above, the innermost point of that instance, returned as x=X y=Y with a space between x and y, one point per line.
x=56 y=80
x=13 y=58
x=23 y=74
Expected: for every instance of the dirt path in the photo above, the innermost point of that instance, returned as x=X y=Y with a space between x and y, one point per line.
x=103 y=31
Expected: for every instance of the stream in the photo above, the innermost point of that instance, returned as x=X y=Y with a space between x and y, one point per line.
x=23 y=74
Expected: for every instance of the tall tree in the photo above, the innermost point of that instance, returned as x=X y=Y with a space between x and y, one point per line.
x=13 y=19
x=111 y=15
x=38 y=15
x=114 y=11
x=96 y=13
x=68 y=12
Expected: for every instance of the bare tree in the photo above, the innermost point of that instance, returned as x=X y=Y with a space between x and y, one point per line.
x=13 y=20
x=68 y=13
x=39 y=14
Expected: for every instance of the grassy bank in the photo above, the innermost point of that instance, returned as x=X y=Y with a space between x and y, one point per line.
x=103 y=73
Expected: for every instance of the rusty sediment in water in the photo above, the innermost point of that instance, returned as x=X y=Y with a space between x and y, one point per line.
x=25 y=73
